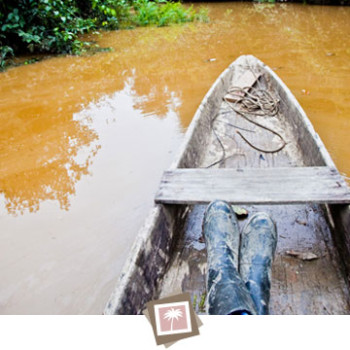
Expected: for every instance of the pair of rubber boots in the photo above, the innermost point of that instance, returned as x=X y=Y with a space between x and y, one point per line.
x=239 y=266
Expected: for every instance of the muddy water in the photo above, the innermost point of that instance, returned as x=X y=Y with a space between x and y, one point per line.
x=84 y=140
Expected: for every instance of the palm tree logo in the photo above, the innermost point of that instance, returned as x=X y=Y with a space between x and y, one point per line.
x=172 y=314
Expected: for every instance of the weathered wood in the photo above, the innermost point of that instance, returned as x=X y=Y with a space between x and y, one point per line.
x=245 y=81
x=253 y=186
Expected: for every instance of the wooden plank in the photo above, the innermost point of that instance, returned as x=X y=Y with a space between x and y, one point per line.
x=288 y=185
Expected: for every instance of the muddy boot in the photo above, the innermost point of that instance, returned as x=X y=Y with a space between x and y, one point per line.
x=227 y=293
x=258 y=245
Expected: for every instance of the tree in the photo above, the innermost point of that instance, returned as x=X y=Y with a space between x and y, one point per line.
x=171 y=315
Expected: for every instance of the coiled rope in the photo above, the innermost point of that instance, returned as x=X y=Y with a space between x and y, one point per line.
x=250 y=101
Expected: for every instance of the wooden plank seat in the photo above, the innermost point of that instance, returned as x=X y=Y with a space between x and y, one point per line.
x=288 y=185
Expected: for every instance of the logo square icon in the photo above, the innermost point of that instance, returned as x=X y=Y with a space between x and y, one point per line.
x=173 y=318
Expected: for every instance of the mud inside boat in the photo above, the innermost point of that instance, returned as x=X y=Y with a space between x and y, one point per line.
x=169 y=255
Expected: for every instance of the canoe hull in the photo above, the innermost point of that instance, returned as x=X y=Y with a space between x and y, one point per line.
x=163 y=259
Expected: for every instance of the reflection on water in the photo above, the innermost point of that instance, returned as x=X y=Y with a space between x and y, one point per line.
x=84 y=140
x=66 y=261
x=45 y=170
x=51 y=149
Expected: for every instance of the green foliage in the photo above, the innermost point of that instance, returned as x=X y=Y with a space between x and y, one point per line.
x=201 y=304
x=110 y=13
x=55 y=25
x=161 y=13
x=42 y=26
x=5 y=52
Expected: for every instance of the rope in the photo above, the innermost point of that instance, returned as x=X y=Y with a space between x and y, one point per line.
x=255 y=102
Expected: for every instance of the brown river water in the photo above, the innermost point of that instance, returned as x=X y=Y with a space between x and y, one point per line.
x=84 y=140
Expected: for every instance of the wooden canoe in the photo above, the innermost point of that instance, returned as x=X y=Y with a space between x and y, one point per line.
x=298 y=186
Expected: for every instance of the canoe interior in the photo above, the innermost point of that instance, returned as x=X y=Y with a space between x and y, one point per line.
x=169 y=255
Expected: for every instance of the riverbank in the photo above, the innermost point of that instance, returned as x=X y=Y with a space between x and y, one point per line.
x=56 y=27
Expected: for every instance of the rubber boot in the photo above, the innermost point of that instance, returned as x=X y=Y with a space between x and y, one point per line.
x=258 y=245
x=227 y=293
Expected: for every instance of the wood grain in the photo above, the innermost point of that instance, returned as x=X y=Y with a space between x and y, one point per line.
x=289 y=185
